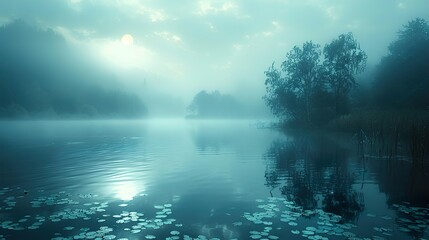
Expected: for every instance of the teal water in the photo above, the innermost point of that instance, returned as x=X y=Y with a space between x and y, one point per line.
x=178 y=179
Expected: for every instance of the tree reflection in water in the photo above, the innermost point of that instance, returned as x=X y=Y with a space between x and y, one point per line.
x=314 y=172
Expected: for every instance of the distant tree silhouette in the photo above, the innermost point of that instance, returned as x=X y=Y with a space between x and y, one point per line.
x=213 y=105
x=402 y=78
x=343 y=59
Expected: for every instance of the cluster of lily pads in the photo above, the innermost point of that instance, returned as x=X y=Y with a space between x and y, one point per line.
x=416 y=219
x=278 y=211
x=272 y=219
x=280 y=214
x=85 y=233
x=71 y=209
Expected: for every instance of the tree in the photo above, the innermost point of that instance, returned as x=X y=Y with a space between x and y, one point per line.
x=343 y=60
x=309 y=92
x=402 y=77
x=291 y=96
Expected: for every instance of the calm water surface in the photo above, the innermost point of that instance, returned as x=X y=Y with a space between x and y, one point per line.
x=200 y=180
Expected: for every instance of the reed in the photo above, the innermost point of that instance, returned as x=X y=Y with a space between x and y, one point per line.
x=388 y=134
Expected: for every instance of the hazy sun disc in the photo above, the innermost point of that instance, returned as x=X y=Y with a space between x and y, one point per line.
x=127 y=40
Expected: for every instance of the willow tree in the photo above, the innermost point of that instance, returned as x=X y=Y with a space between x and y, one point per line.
x=343 y=60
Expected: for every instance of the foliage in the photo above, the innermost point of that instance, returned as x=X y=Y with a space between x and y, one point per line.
x=343 y=60
x=281 y=100
x=302 y=71
x=402 y=79
x=292 y=94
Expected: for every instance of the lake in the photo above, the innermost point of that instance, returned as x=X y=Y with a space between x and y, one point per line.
x=178 y=179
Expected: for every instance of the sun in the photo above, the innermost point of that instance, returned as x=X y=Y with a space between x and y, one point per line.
x=127 y=40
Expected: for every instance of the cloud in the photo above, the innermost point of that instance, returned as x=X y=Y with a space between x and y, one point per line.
x=206 y=7
x=135 y=7
x=169 y=36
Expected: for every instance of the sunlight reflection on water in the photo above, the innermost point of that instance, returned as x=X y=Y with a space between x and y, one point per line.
x=126 y=191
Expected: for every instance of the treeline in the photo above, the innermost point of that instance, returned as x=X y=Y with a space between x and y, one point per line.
x=41 y=76
x=313 y=86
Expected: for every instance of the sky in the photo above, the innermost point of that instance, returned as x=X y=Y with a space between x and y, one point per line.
x=178 y=48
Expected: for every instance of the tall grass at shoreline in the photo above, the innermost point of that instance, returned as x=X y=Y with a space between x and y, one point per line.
x=388 y=134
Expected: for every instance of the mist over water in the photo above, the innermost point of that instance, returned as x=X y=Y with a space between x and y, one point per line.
x=197 y=167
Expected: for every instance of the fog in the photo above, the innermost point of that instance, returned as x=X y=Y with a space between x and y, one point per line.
x=71 y=58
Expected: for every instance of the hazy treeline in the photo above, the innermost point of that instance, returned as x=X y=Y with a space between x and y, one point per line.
x=402 y=77
x=315 y=86
x=394 y=121
x=42 y=76
x=214 y=105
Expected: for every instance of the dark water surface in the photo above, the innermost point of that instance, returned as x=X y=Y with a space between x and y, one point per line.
x=200 y=180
